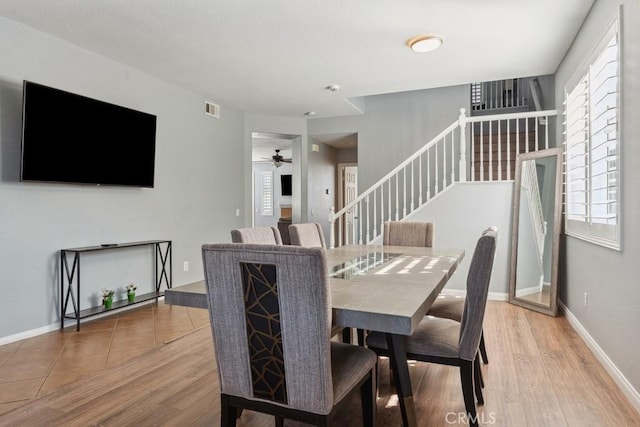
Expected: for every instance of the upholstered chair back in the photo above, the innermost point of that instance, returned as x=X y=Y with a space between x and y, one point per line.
x=406 y=233
x=270 y=310
x=258 y=235
x=478 y=280
x=307 y=235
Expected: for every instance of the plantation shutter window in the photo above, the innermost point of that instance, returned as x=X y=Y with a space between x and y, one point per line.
x=592 y=147
x=267 y=194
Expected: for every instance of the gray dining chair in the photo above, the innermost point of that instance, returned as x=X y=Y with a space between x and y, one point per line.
x=308 y=235
x=259 y=235
x=404 y=233
x=270 y=312
x=311 y=236
x=407 y=233
x=447 y=342
x=452 y=307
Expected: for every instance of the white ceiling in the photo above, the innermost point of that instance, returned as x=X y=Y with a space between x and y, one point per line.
x=277 y=57
x=264 y=145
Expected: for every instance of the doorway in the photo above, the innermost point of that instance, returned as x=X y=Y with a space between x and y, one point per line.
x=347 y=193
x=272 y=157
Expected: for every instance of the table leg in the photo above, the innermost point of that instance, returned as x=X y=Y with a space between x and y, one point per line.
x=398 y=360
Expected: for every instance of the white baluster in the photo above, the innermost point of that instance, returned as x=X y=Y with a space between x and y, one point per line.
x=517 y=137
x=375 y=222
x=526 y=131
x=546 y=132
x=412 y=187
x=389 y=204
x=436 y=176
x=453 y=163
x=536 y=124
x=381 y=206
x=404 y=192
x=397 y=198
x=366 y=200
x=428 y=175
x=462 y=122
x=360 y=222
x=420 y=180
x=332 y=219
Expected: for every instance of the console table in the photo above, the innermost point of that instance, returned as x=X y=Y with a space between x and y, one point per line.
x=69 y=275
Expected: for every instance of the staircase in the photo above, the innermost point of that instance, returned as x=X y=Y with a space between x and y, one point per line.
x=493 y=143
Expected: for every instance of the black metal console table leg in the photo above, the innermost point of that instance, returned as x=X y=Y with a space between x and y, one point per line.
x=66 y=292
x=163 y=257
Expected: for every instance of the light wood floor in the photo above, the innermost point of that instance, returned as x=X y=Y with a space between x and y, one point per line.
x=540 y=373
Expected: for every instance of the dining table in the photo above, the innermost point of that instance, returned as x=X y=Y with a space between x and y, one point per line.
x=381 y=288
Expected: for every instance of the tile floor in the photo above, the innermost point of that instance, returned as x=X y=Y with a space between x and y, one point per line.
x=37 y=366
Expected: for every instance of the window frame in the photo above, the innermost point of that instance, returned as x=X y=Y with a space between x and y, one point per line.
x=607 y=235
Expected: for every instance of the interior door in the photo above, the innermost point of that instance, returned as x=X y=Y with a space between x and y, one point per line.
x=350 y=183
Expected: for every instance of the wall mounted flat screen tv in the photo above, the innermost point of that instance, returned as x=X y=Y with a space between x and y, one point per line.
x=285 y=185
x=70 y=138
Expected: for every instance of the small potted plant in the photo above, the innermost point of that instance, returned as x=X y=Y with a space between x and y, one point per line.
x=107 y=297
x=131 y=291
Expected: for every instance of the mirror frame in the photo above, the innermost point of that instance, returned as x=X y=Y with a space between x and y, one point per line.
x=552 y=309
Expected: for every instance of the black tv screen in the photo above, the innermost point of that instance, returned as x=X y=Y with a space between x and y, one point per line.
x=285 y=185
x=74 y=139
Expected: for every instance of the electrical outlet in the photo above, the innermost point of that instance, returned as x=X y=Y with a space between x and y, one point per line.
x=186 y=266
x=586 y=300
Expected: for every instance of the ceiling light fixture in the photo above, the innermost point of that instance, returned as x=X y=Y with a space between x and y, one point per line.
x=425 y=43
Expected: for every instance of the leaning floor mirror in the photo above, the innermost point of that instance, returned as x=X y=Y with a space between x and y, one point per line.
x=535 y=235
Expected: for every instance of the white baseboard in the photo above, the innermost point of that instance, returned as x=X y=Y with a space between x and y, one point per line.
x=29 y=334
x=56 y=326
x=626 y=387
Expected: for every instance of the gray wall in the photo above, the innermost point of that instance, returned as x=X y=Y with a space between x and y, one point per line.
x=348 y=155
x=611 y=278
x=194 y=199
x=394 y=126
x=491 y=205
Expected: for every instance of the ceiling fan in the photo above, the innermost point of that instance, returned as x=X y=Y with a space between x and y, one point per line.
x=278 y=160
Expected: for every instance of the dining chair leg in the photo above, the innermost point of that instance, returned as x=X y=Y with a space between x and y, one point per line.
x=346 y=335
x=279 y=421
x=228 y=413
x=477 y=381
x=479 y=371
x=361 y=337
x=466 y=378
x=483 y=349
x=368 y=398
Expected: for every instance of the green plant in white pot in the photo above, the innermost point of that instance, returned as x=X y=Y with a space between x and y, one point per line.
x=107 y=297
x=131 y=292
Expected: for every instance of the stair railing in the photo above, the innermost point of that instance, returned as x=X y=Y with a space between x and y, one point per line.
x=439 y=164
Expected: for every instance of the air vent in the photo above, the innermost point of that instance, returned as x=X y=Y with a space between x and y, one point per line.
x=212 y=109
